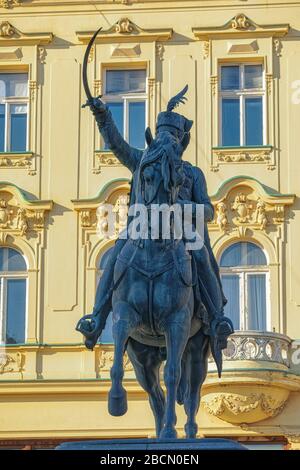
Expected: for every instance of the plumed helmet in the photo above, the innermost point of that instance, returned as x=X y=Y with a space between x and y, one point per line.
x=174 y=120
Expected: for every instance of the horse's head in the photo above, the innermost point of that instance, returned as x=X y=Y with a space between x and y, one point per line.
x=162 y=170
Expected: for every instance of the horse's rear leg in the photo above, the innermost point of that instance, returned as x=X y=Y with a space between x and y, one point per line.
x=176 y=334
x=146 y=361
x=124 y=317
x=196 y=361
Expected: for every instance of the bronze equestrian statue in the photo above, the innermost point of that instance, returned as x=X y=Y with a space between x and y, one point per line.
x=167 y=301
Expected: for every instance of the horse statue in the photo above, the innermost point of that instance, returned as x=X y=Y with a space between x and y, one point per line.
x=157 y=316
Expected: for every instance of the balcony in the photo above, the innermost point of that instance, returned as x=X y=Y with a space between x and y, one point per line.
x=257 y=378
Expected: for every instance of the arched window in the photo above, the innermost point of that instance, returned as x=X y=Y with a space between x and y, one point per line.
x=106 y=336
x=245 y=277
x=13 y=289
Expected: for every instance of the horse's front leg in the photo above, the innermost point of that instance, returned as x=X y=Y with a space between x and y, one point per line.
x=124 y=322
x=177 y=334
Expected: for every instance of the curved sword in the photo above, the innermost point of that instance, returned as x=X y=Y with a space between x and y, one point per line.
x=84 y=67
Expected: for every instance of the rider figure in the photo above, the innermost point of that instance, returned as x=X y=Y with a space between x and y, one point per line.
x=193 y=191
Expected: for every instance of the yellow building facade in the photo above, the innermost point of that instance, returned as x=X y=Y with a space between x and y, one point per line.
x=242 y=64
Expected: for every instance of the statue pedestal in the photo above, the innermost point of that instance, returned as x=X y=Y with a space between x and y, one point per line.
x=129 y=445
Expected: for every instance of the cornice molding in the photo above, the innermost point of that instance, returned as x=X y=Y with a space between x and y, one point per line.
x=241 y=26
x=10 y=35
x=127 y=31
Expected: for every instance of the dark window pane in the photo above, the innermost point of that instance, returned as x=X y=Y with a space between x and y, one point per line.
x=125 y=81
x=18 y=128
x=253 y=76
x=2 y=127
x=254 y=121
x=243 y=254
x=232 y=292
x=2 y=259
x=117 y=111
x=232 y=256
x=137 y=124
x=230 y=77
x=230 y=122
x=107 y=336
x=257 y=305
x=15 y=311
x=16 y=261
x=255 y=255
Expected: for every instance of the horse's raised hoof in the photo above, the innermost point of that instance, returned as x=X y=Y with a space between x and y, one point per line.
x=168 y=433
x=117 y=404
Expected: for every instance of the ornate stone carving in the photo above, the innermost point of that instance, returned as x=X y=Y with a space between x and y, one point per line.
x=32 y=89
x=18 y=216
x=11 y=362
x=256 y=346
x=91 y=54
x=159 y=48
x=6 y=30
x=222 y=219
x=42 y=54
x=22 y=160
x=248 y=206
x=241 y=207
x=277 y=46
x=121 y=209
x=86 y=219
x=22 y=222
x=102 y=221
x=240 y=22
x=10 y=3
x=242 y=156
x=124 y=25
x=6 y=214
x=104 y=159
x=206 y=49
x=269 y=82
x=151 y=87
x=260 y=214
x=98 y=87
x=106 y=361
x=214 y=84
x=225 y=404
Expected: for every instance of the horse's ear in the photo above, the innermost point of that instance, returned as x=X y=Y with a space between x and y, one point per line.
x=148 y=136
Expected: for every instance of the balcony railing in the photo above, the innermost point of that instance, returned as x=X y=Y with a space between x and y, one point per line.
x=258 y=346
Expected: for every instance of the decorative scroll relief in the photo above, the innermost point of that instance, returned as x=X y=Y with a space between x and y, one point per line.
x=250 y=408
x=10 y=3
x=240 y=26
x=110 y=208
x=18 y=216
x=257 y=346
x=243 y=203
x=223 y=156
x=104 y=159
x=17 y=161
x=9 y=34
x=125 y=28
x=11 y=363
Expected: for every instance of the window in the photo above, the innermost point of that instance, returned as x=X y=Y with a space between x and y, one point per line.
x=13 y=112
x=125 y=95
x=13 y=287
x=106 y=336
x=242 y=96
x=244 y=274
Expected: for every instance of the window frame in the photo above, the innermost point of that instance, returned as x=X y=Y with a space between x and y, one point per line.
x=126 y=98
x=243 y=272
x=243 y=94
x=8 y=102
x=4 y=277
